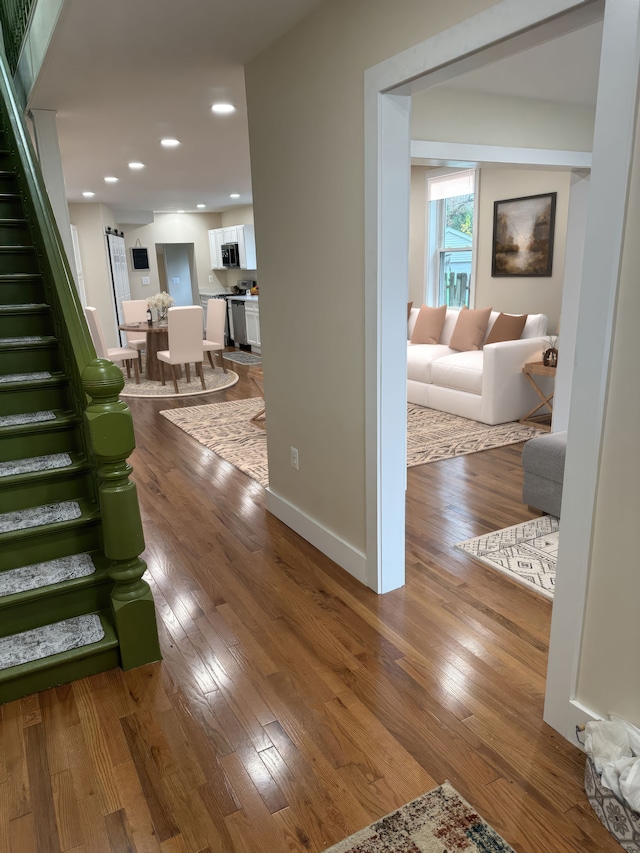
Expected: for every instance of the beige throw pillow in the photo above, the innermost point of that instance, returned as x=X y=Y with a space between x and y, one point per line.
x=470 y=328
x=507 y=327
x=428 y=327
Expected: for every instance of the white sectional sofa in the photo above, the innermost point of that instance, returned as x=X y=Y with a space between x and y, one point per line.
x=485 y=385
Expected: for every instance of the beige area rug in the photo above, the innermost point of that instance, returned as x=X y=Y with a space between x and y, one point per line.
x=526 y=552
x=215 y=380
x=226 y=429
x=433 y=436
x=437 y=822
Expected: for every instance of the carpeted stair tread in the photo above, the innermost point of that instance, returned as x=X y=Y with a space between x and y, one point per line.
x=25 y=339
x=50 y=572
x=29 y=307
x=25 y=377
x=39 y=515
x=25 y=418
x=48 y=640
x=49 y=462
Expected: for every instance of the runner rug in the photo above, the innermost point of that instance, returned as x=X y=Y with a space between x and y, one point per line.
x=432 y=436
x=526 y=552
x=437 y=822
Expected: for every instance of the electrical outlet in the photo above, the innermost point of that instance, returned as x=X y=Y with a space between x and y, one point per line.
x=210 y=279
x=145 y=279
x=294 y=458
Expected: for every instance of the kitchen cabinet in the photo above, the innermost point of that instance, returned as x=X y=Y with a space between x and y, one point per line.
x=243 y=235
x=252 y=318
x=216 y=239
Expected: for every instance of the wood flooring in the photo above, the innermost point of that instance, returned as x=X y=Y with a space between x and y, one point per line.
x=294 y=706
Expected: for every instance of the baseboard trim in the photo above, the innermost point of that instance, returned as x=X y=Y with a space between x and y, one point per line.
x=346 y=556
x=576 y=715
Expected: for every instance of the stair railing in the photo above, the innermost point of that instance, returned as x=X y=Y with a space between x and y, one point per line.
x=108 y=422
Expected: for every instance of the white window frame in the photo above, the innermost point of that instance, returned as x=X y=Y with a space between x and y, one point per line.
x=433 y=228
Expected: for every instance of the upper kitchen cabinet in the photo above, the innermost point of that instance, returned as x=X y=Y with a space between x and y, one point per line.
x=244 y=236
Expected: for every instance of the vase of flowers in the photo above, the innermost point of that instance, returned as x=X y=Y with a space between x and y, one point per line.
x=161 y=302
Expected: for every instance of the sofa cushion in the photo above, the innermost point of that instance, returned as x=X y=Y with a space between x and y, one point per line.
x=428 y=326
x=420 y=358
x=461 y=371
x=470 y=329
x=507 y=327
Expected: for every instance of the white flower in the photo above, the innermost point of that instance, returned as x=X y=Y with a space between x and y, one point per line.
x=160 y=300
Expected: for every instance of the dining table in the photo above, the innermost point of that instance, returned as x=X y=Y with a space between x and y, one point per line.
x=157 y=334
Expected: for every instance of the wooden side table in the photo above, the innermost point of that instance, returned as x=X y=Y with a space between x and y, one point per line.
x=256 y=375
x=543 y=419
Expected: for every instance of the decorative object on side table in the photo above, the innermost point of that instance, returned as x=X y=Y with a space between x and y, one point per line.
x=550 y=355
x=161 y=302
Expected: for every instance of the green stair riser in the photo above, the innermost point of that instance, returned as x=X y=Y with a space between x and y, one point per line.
x=73 y=598
x=18 y=261
x=14 y=233
x=25 y=323
x=106 y=656
x=63 y=439
x=86 y=537
x=30 y=359
x=45 y=487
x=8 y=179
x=52 y=395
x=21 y=291
x=11 y=208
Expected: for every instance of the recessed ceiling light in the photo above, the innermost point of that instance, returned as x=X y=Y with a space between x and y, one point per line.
x=88 y=194
x=223 y=108
x=201 y=205
x=234 y=195
x=170 y=143
x=181 y=211
x=136 y=165
x=110 y=180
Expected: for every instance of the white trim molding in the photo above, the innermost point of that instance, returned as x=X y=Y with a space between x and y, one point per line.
x=469 y=156
x=345 y=555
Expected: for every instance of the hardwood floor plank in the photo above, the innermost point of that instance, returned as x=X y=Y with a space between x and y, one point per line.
x=67 y=815
x=152 y=785
x=118 y=832
x=42 y=805
x=293 y=706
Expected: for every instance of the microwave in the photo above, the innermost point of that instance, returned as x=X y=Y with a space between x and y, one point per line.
x=230 y=255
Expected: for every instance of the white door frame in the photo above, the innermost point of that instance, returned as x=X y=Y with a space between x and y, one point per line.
x=504 y=29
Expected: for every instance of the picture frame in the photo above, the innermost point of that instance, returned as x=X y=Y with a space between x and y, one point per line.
x=523 y=232
x=139 y=258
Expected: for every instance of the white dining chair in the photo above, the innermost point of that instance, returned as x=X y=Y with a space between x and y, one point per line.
x=185 y=343
x=126 y=354
x=214 y=333
x=135 y=311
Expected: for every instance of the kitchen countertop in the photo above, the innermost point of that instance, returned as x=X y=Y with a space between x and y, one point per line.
x=243 y=298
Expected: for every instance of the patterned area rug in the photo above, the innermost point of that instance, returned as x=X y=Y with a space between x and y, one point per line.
x=226 y=429
x=437 y=822
x=242 y=357
x=433 y=436
x=215 y=380
x=527 y=552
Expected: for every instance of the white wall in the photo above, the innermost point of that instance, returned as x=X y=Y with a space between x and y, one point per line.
x=175 y=228
x=443 y=114
x=91 y=221
x=517 y=295
x=521 y=295
x=305 y=107
x=609 y=675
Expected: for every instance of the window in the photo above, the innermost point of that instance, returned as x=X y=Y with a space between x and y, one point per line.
x=451 y=217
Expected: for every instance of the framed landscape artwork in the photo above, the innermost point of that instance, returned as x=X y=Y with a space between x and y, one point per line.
x=523 y=236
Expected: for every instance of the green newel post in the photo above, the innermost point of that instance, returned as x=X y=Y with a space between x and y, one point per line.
x=110 y=429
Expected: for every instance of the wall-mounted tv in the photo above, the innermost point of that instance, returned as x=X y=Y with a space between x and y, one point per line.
x=139 y=258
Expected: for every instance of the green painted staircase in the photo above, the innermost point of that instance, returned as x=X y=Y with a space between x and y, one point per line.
x=72 y=598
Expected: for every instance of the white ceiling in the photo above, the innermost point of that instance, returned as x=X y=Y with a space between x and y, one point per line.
x=124 y=74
